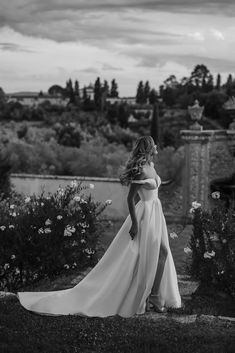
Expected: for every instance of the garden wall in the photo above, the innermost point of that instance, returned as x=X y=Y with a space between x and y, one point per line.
x=105 y=189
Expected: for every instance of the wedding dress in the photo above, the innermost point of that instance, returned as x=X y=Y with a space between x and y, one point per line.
x=122 y=280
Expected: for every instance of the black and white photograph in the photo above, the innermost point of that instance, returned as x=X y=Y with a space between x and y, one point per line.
x=117 y=176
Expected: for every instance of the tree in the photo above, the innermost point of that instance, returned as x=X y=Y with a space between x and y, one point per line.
x=200 y=76
x=106 y=87
x=210 y=84
x=5 y=169
x=171 y=82
x=114 y=89
x=146 y=91
x=76 y=88
x=97 y=93
x=218 y=82
x=69 y=90
x=76 y=93
x=229 y=85
x=152 y=96
x=56 y=90
x=84 y=93
x=155 y=126
x=123 y=115
x=140 y=98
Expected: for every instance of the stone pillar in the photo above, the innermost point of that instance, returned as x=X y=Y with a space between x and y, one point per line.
x=207 y=157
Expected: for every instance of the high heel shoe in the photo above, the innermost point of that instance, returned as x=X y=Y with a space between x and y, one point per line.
x=157 y=308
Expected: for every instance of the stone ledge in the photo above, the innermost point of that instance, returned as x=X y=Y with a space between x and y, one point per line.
x=63 y=177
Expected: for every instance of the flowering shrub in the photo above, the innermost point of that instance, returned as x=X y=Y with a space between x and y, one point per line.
x=211 y=246
x=42 y=236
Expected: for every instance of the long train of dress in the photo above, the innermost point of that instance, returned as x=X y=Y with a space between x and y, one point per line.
x=122 y=280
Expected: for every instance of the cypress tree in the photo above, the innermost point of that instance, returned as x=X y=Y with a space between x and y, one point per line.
x=146 y=91
x=140 y=93
x=218 y=82
x=114 y=89
x=97 y=93
x=155 y=125
x=5 y=169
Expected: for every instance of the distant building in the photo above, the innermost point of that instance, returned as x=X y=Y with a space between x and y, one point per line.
x=33 y=99
x=90 y=92
x=120 y=100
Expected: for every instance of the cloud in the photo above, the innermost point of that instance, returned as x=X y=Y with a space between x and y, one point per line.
x=126 y=39
x=197 y=36
x=217 y=34
x=82 y=19
x=215 y=65
x=14 y=48
x=108 y=67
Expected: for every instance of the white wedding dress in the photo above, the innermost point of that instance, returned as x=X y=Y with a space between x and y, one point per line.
x=122 y=280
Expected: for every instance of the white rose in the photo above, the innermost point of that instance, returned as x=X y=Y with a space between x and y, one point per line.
x=77 y=198
x=2 y=228
x=67 y=233
x=27 y=199
x=108 y=202
x=11 y=226
x=12 y=206
x=59 y=217
x=13 y=257
x=215 y=195
x=187 y=250
x=196 y=204
x=74 y=184
x=14 y=214
x=209 y=255
x=48 y=222
x=91 y=186
x=83 y=201
x=47 y=230
x=6 y=266
x=71 y=229
x=173 y=235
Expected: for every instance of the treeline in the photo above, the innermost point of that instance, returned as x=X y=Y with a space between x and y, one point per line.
x=100 y=91
x=200 y=84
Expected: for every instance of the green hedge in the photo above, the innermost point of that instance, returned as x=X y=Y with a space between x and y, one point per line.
x=212 y=246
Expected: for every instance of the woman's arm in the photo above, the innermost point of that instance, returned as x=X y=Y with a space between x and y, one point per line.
x=133 y=191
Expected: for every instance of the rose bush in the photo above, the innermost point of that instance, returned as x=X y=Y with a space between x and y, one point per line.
x=40 y=236
x=211 y=247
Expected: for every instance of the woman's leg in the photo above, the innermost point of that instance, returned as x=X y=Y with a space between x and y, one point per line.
x=160 y=268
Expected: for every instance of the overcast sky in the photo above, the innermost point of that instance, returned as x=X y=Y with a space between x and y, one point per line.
x=46 y=42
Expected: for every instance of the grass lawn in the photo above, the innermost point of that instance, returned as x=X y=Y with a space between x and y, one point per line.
x=24 y=332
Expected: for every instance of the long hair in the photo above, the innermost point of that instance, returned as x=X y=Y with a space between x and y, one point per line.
x=141 y=154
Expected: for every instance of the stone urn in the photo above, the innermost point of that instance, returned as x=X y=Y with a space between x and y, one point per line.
x=195 y=112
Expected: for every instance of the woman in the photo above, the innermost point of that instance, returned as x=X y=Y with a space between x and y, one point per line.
x=137 y=261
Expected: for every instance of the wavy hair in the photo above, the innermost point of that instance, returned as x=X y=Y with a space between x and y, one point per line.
x=141 y=154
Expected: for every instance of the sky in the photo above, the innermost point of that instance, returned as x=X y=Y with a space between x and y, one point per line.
x=46 y=42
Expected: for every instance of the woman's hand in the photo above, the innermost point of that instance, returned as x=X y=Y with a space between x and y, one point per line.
x=134 y=230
